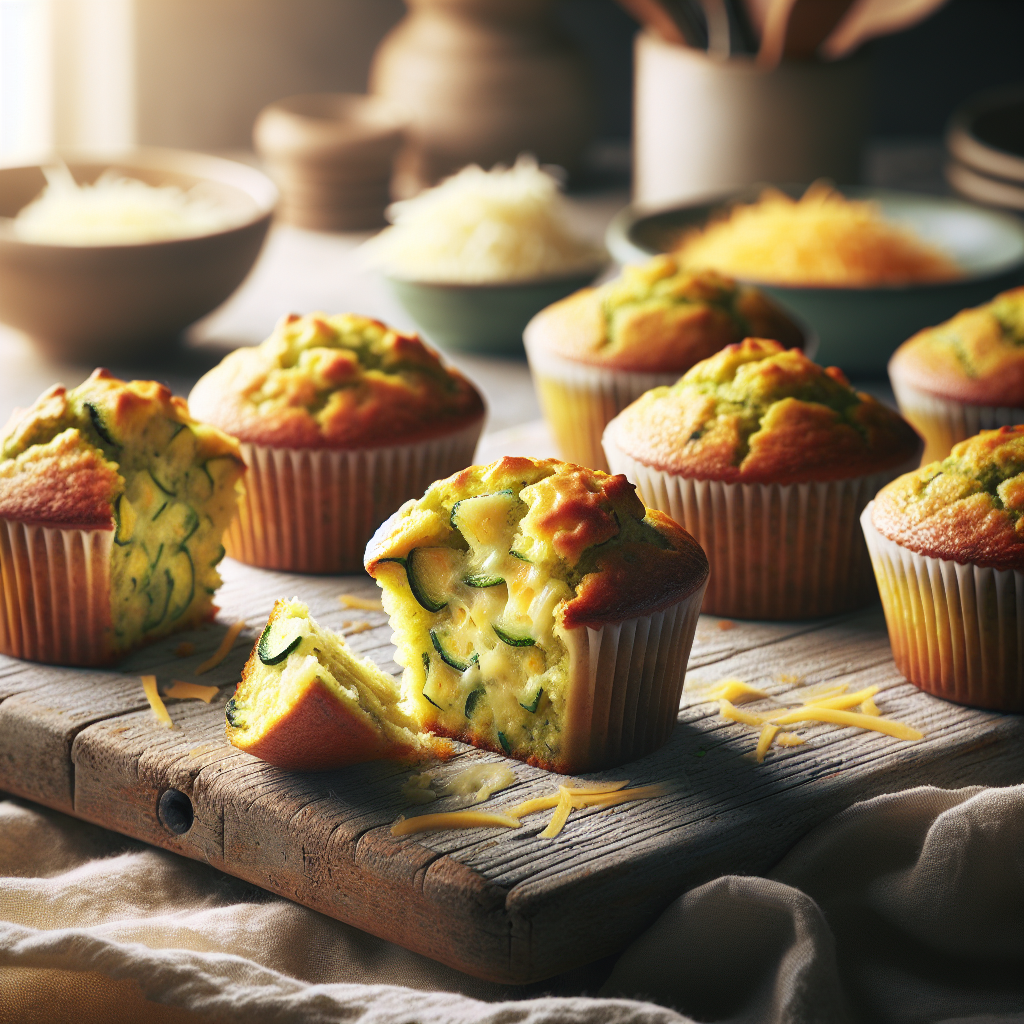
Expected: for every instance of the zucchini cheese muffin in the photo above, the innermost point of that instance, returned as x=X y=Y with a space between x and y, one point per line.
x=768 y=460
x=341 y=419
x=114 y=502
x=964 y=375
x=947 y=545
x=307 y=702
x=540 y=610
x=601 y=348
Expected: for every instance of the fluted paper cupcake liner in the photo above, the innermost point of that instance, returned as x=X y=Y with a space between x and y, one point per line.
x=56 y=594
x=578 y=401
x=777 y=551
x=957 y=631
x=943 y=423
x=314 y=509
x=625 y=693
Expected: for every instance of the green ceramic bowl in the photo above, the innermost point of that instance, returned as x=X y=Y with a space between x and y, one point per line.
x=859 y=328
x=486 y=318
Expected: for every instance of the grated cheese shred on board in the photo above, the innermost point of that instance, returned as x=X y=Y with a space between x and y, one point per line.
x=153 y=696
x=352 y=628
x=830 y=705
x=223 y=650
x=565 y=800
x=453 y=819
x=191 y=691
x=823 y=238
x=735 y=690
x=764 y=741
x=503 y=225
x=365 y=604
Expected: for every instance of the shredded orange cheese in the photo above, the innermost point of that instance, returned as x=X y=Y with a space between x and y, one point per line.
x=561 y=815
x=366 y=604
x=736 y=691
x=453 y=819
x=869 y=707
x=225 y=648
x=728 y=710
x=838 y=717
x=789 y=739
x=844 y=701
x=191 y=691
x=821 y=239
x=764 y=741
x=153 y=696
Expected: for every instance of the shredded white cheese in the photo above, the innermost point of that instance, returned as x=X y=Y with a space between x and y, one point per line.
x=116 y=210
x=502 y=225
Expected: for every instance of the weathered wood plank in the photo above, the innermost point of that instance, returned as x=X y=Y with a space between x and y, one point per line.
x=504 y=905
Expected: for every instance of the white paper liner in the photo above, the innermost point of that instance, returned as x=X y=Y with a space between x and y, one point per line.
x=627 y=682
x=314 y=509
x=777 y=551
x=943 y=423
x=56 y=594
x=578 y=400
x=957 y=631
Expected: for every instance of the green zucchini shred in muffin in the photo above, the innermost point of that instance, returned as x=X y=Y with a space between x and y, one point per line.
x=127 y=457
x=495 y=581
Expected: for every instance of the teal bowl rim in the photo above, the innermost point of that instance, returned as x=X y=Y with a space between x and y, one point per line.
x=626 y=250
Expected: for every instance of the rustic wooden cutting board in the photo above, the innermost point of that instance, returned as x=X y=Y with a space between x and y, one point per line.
x=504 y=905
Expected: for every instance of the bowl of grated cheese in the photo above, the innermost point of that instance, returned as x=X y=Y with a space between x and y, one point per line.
x=473 y=259
x=107 y=256
x=866 y=268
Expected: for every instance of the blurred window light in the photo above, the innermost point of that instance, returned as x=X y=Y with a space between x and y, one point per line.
x=66 y=76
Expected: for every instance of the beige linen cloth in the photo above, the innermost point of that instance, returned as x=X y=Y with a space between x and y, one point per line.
x=905 y=908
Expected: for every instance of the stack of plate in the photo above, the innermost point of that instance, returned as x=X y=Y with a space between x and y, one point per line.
x=985 y=142
x=331 y=155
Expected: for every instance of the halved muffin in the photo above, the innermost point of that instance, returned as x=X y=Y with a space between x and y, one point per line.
x=542 y=611
x=307 y=702
x=115 y=502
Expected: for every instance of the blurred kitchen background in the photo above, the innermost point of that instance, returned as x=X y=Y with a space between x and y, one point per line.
x=195 y=75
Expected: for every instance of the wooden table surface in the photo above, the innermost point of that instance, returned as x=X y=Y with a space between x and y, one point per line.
x=504 y=905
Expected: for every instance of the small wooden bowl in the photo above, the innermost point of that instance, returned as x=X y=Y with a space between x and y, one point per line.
x=332 y=156
x=92 y=303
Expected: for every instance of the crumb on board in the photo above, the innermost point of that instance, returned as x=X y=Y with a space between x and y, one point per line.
x=185 y=649
x=726 y=624
x=366 y=604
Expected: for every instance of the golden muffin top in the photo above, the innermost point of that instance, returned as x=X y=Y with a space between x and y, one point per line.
x=976 y=357
x=658 y=318
x=758 y=413
x=64 y=461
x=341 y=381
x=584 y=527
x=969 y=508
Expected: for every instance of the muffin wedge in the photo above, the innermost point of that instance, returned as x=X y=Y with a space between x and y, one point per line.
x=307 y=702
